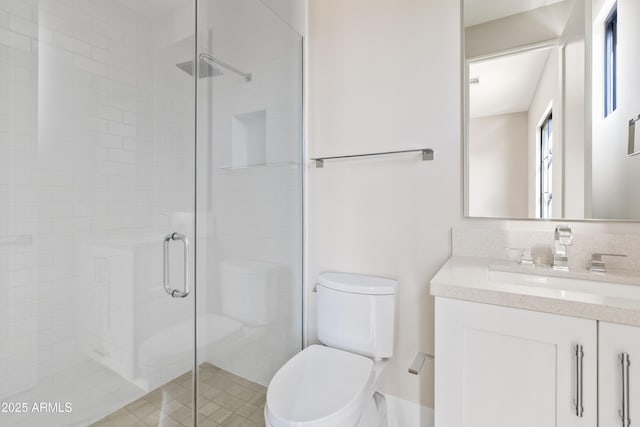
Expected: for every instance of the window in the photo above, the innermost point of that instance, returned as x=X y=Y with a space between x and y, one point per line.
x=546 y=167
x=610 y=61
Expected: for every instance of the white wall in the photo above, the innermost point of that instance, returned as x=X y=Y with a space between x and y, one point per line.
x=386 y=76
x=498 y=178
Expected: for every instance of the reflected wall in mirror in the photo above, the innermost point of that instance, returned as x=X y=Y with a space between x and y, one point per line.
x=552 y=96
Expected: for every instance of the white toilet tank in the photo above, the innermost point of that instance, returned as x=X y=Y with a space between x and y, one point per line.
x=357 y=313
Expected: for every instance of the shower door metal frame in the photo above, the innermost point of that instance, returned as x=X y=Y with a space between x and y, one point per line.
x=194 y=371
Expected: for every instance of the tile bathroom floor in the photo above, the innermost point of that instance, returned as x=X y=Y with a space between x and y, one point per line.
x=226 y=400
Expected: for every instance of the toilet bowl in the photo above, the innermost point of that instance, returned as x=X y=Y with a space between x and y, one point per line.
x=333 y=385
x=322 y=387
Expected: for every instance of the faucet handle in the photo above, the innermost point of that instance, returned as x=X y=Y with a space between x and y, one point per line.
x=597 y=264
x=526 y=258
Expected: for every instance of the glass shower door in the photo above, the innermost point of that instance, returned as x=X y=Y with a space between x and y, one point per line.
x=249 y=206
x=97 y=212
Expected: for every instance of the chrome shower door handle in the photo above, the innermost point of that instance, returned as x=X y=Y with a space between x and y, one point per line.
x=175 y=293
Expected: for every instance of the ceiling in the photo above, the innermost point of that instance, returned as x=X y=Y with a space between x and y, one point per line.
x=507 y=84
x=479 y=11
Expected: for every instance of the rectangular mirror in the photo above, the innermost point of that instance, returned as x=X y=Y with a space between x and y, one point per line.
x=552 y=96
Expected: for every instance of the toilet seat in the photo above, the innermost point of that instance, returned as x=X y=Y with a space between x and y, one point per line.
x=320 y=387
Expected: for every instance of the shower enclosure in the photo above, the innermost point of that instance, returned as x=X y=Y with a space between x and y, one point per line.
x=150 y=210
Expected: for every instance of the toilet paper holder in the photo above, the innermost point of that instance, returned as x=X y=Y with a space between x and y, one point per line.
x=418 y=361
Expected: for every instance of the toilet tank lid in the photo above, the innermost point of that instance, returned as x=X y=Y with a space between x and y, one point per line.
x=358 y=283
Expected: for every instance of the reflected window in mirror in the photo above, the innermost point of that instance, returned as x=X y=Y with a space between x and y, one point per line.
x=610 y=61
x=546 y=168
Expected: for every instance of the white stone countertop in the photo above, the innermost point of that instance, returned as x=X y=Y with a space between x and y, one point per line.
x=579 y=294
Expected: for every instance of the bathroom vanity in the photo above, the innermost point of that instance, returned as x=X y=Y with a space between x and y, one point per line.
x=532 y=347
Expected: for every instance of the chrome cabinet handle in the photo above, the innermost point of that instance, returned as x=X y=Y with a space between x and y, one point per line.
x=175 y=293
x=624 y=370
x=579 y=402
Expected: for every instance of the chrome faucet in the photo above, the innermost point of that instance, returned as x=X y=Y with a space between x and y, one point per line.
x=563 y=238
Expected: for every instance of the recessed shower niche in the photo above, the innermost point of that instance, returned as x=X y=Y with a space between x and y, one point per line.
x=249 y=139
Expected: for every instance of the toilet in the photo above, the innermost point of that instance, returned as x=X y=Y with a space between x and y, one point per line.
x=333 y=385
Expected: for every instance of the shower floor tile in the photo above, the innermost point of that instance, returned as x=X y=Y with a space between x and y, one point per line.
x=226 y=400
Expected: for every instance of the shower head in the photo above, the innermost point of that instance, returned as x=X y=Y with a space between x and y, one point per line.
x=206 y=69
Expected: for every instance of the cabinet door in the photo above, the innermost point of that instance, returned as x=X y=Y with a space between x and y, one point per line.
x=619 y=374
x=505 y=367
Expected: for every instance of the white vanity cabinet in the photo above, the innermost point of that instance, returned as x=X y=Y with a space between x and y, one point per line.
x=503 y=367
x=619 y=374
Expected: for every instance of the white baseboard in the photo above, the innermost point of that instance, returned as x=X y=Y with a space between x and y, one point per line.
x=403 y=413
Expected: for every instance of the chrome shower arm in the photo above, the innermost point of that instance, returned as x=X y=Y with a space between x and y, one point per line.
x=205 y=56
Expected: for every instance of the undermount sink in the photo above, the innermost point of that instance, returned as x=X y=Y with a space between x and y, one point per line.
x=549 y=279
x=533 y=277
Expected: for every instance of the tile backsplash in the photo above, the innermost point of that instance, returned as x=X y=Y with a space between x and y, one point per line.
x=492 y=243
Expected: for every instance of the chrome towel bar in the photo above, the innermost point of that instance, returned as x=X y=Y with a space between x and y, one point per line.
x=427 y=154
